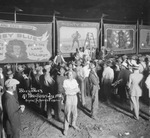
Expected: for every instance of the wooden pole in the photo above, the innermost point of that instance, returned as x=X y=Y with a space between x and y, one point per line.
x=137 y=41
x=54 y=34
x=101 y=31
x=15 y=16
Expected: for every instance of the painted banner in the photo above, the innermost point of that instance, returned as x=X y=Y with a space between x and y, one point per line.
x=21 y=43
x=144 y=42
x=72 y=35
x=120 y=38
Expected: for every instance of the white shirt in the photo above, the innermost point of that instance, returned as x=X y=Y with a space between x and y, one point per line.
x=71 y=87
x=108 y=73
x=1 y=76
x=147 y=82
x=79 y=71
x=142 y=66
x=81 y=54
x=11 y=93
x=87 y=52
x=86 y=71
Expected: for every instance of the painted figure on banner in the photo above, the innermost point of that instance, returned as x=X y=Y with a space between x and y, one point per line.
x=76 y=37
x=122 y=41
x=119 y=39
x=148 y=39
x=16 y=50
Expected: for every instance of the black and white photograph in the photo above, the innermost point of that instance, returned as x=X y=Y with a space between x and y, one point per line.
x=74 y=69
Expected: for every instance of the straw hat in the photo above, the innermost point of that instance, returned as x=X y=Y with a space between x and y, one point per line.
x=125 y=64
x=135 y=67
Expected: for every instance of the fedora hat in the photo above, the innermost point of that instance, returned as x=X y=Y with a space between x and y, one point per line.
x=125 y=64
x=135 y=67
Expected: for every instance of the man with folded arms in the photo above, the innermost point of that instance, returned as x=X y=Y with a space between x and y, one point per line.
x=71 y=89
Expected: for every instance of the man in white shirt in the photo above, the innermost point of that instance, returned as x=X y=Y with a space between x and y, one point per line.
x=107 y=79
x=71 y=89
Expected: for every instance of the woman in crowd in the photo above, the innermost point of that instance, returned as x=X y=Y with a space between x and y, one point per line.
x=71 y=89
x=135 y=90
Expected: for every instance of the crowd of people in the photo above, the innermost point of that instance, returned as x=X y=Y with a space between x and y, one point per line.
x=87 y=74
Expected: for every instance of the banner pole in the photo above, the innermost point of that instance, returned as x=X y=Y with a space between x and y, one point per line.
x=137 y=42
x=15 y=17
x=54 y=34
x=101 y=31
x=15 y=13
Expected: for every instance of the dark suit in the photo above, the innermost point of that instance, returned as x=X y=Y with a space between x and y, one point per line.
x=94 y=87
x=11 y=115
x=1 y=111
x=124 y=75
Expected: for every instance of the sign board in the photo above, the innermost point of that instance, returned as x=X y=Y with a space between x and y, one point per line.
x=21 y=42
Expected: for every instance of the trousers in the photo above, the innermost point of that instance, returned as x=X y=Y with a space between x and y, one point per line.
x=70 y=108
x=94 y=103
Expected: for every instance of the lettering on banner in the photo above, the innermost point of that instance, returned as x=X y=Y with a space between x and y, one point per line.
x=37 y=96
x=18 y=26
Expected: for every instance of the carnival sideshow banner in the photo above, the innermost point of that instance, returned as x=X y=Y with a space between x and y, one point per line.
x=73 y=35
x=21 y=43
x=144 y=43
x=120 y=38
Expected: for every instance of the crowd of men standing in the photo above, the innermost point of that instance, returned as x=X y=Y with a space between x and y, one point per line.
x=86 y=75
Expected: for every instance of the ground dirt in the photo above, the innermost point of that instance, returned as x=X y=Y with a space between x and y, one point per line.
x=114 y=121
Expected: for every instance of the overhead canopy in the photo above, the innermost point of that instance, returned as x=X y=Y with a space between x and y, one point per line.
x=123 y=10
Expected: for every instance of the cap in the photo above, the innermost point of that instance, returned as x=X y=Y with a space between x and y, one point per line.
x=11 y=82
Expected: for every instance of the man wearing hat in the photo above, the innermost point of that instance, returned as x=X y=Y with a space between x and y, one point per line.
x=107 y=79
x=11 y=110
x=10 y=75
x=124 y=76
x=135 y=90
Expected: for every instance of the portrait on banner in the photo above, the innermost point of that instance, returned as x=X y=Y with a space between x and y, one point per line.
x=74 y=35
x=16 y=50
x=120 y=39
